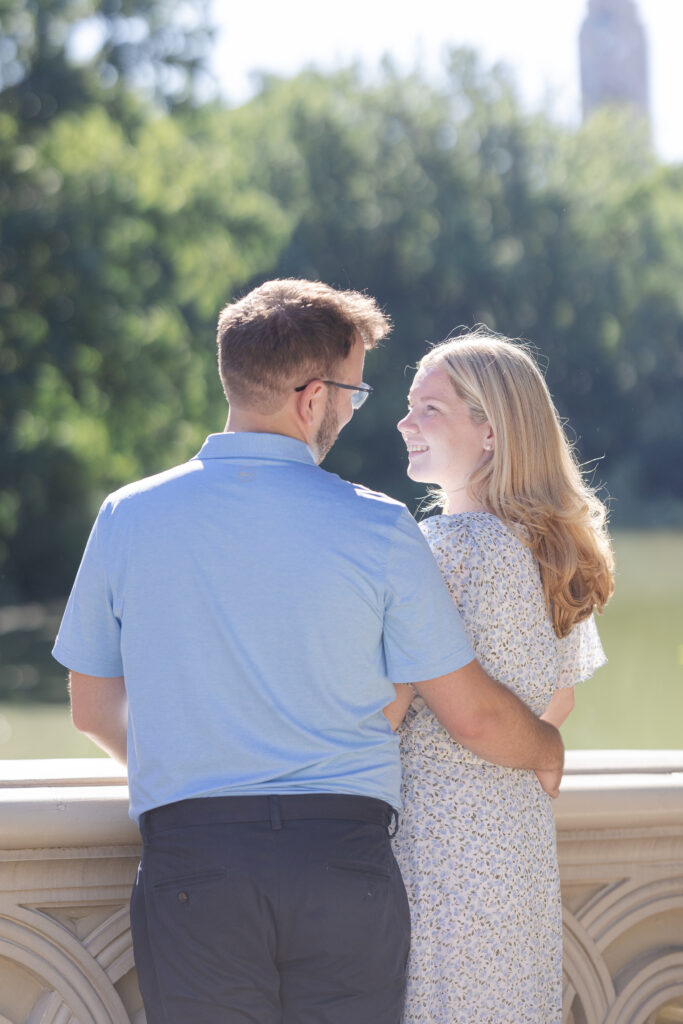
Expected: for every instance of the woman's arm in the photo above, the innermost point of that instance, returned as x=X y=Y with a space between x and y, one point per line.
x=560 y=707
x=396 y=711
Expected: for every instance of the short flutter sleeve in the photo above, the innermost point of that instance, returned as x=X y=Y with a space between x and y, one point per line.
x=495 y=583
x=581 y=654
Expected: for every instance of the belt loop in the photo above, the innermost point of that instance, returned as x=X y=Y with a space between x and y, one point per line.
x=275 y=819
x=392 y=827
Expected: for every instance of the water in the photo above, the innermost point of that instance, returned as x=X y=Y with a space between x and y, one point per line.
x=635 y=702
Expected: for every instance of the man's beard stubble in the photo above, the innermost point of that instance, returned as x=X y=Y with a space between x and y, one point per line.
x=328 y=431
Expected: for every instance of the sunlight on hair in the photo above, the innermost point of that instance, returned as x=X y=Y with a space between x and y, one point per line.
x=533 y=482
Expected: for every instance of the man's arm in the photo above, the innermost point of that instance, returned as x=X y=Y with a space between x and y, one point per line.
x=99 y=708
x=493 y=723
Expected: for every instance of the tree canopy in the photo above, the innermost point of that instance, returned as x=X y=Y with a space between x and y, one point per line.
x=131 y=210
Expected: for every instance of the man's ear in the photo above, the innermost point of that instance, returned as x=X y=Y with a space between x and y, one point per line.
x=308 y=402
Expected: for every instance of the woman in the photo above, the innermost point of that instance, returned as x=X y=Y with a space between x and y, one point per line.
x=523 y=548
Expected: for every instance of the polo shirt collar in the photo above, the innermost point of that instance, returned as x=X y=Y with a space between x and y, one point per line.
x=255 y=446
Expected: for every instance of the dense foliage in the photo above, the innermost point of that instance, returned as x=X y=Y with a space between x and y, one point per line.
x=124 y=226
x=130 y=211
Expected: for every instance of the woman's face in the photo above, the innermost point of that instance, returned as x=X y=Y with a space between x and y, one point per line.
x=444 y=445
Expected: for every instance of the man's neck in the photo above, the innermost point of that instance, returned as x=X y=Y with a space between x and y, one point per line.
x=242 y=421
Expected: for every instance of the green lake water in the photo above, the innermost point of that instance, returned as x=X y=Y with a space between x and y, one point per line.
x=634 y=702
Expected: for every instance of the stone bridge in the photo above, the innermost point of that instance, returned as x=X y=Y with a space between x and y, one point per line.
x=68 y=854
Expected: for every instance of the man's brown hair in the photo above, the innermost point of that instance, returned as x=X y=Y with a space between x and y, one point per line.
x=290 y=331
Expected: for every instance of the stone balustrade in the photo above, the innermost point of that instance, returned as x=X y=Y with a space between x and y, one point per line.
x=68 y=855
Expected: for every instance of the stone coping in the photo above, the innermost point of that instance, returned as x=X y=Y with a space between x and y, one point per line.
x=83 y=802
x=97 y=771
x=610 y=762
x=73 y=771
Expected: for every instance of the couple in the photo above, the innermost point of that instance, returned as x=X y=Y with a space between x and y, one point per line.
x=242 y=627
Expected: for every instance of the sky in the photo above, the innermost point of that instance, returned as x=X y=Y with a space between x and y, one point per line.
x=538 y=39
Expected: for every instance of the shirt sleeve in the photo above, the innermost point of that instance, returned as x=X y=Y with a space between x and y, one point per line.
x=423 y=633
x=89 y=638
x=581 y=654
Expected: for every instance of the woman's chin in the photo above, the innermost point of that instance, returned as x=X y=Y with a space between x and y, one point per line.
x=420 y=477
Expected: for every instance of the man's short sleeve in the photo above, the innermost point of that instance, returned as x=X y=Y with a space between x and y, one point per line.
x=89 y=638
x=423 y=633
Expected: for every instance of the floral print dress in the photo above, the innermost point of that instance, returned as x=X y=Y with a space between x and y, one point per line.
x=476 y=844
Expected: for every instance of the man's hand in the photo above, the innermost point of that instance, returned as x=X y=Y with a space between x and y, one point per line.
x=550 y=780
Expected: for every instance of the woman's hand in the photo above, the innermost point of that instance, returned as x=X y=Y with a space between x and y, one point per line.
x=396 y=711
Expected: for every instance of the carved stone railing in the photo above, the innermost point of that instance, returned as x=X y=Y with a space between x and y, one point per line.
x=68 y=855
x=620 y=845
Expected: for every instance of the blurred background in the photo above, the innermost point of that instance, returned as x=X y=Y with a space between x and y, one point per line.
x=518 y=165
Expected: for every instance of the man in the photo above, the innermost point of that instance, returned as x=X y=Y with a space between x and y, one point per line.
x=246 y=614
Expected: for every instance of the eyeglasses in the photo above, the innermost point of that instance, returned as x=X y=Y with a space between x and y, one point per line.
x=360 y=391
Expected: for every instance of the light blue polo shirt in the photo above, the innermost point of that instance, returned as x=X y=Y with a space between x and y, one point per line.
x=259 y=609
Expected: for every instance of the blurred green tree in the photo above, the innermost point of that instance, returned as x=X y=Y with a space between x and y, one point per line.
x=63 y=55
x=455 y=207
x=130 y=210
x=619 y=344
x=123 y=228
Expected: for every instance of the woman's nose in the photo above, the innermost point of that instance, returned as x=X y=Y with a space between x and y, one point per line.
x=404 y=424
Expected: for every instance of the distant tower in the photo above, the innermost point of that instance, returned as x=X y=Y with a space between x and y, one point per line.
x=614 y=63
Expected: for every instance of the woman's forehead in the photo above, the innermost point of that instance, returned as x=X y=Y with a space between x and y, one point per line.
x=433 y=379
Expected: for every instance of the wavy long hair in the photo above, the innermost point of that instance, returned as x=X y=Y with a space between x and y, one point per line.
x=533 y=481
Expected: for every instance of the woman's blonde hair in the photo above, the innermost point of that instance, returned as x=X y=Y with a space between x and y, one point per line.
x=532 y=481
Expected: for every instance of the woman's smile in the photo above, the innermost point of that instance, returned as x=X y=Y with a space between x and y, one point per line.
x=457 y=445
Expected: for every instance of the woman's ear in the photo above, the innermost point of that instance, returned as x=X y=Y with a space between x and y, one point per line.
x=489 y=440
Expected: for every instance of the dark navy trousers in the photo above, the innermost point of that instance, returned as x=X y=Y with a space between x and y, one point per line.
x=270 y=910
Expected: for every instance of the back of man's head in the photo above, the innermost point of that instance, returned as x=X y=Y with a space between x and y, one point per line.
x=287 y=332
